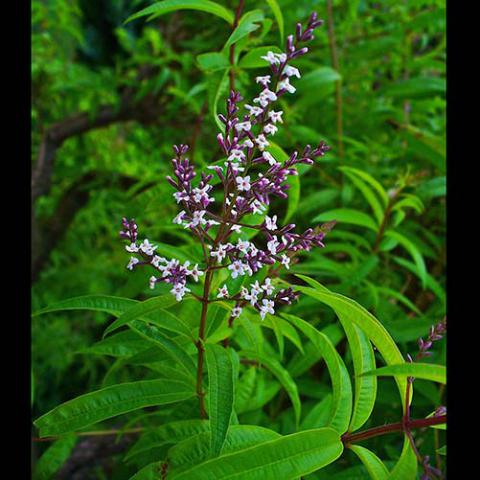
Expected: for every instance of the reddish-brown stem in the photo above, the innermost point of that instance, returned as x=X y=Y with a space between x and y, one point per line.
x=232 y=47
x=393 y=427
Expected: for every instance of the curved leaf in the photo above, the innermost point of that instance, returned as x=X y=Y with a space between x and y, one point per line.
x=54 y=457
x=348 y=215
x=427 y=371
x=288 y=458
x=220 y=394
x=375 y=467
x=109 y=402
x=247 y=24
x=277 y=13
x=406 y=467
x=167 y=6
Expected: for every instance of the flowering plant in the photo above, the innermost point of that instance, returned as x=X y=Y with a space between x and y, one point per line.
x=205 y=436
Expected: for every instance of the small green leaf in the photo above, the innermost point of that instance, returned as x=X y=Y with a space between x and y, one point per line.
x=220 y=394
x=348 y=215
x=406 y=467
x=212 y=61
x=375 y=467
x=247 y=24
x=167 y=6
x=54 y=457
x=427 y=371
x=277 y=13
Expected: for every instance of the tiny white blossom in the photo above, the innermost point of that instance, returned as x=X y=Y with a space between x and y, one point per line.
x=269 y=158
x=220 y=253
x=133 y=261
x=272 y=96
x=237 y=268
x=275 y=116
x=248 y=143
x=254 y=110
x=155 y=261
x=132 y=248
x=197 y=219
x=243 y=126
x=268 y=287
x=236 y=155
x=256 y=288
x=236 y=312
x=179 y=196
x=267 y=307
x=264 y=79
x=291 y=71
x=223 y=292
x=271 y=222
x=235 y=228
x=178 y=219
x=153 y=281
x=262 y=142
x=147 y=247
x=272 y=245
x=271 y=58
x=179 y=291
x=270 y=128
x=196 y=272
x=243 y=245
x=287 y=86
x=286 y=261
x=258 y=206
x=243 y=183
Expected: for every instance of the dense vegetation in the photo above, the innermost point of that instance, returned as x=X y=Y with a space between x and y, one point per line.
x=109 y=100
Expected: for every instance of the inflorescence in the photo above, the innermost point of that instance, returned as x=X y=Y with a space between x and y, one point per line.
x=249 y=176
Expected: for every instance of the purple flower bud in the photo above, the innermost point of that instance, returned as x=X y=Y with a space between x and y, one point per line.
x=298 y=31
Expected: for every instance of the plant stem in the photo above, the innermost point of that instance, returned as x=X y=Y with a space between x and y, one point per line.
x=393 y=427
x=381 y=231
x=232 y=47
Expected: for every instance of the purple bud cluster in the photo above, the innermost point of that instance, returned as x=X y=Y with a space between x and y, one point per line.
x=249 y=176
x=436 y=333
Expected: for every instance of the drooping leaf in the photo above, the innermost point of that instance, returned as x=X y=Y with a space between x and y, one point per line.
x=376 y=468
x=288 y=458
x=247 y=24
x=54 y=457
x=220 y=394
x=277 y=13
x=167 y=6
x=427 y=371
x=348 y=215
x=109 y=402
x=406 y=467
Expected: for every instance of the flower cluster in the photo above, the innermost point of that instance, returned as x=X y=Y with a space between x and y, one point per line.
x=436 y=333
x=249 y=175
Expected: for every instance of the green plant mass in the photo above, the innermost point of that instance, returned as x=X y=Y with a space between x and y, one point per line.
x=238 y=240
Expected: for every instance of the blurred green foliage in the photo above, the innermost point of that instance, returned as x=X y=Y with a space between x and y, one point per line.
x=391 y=76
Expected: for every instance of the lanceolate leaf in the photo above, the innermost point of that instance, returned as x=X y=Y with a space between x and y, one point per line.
x=286 y=458
x=375 y=467
x=110 y=402
x=342 y=389
x=361 y=317
x=167 y=6
x=427 y=371
x=348 y=215
x=220 y=394
x=248 y=23
x=283 y=377
x=277 y=12
x=54 y=457
x=406 y=467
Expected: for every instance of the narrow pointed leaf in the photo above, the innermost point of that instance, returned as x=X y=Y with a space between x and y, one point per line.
x=406 y=467
x=427 y=371
x=375 y=467
x=348 y=215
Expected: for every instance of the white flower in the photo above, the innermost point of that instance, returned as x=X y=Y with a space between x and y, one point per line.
x=178 y=219
x=286 y=261
x=197 y=219
x=291 y=71
x=275 y=116
x=268 y=287
x=248 y=143
x=267 y=307
x=287 y=86
x=147 y=247
x=133 y=261
x=265 y=79
x=236 y=155
x=271 y=58
x=243 y=183
x=269 y=158
x=179 y=291
x=243 y=245
x=237 y=268
x=236 y=312
x=271 y=222
x=253 y=250
x=272 y=245
x=243 y=126
x=153 y=281
x=155 y=261
x=254 y=110
x=220 y=253
x=256 y=288
x=223 y=292
x=132 y=248
x=195 y=273
x=262 y=142
x=179 y=196
x=270 y=128
x=272 y=96
x=200 y=194
x=243 y=292
x=258 y=206
x=235 y=228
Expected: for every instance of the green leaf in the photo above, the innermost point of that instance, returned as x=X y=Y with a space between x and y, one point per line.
x=442 y=450
x=168 y=345
x=417 y=88
x=167 y=6
x=217 y=85
x=316 y=78
x=212 y=61
x=342 y=389
x=427 y=371
x=247 y=24
x=375 y=467
x=54 y=457
x=406 y=467
x=277 y=13
x=369 y=180
x=348 y=215
x=363 y=360
x=286 y=458
x=282 y=376
x=252 y=59
x=375 y=331
x=220 y=394
x=109 y=402
x=413 y=251
x=144 y=310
